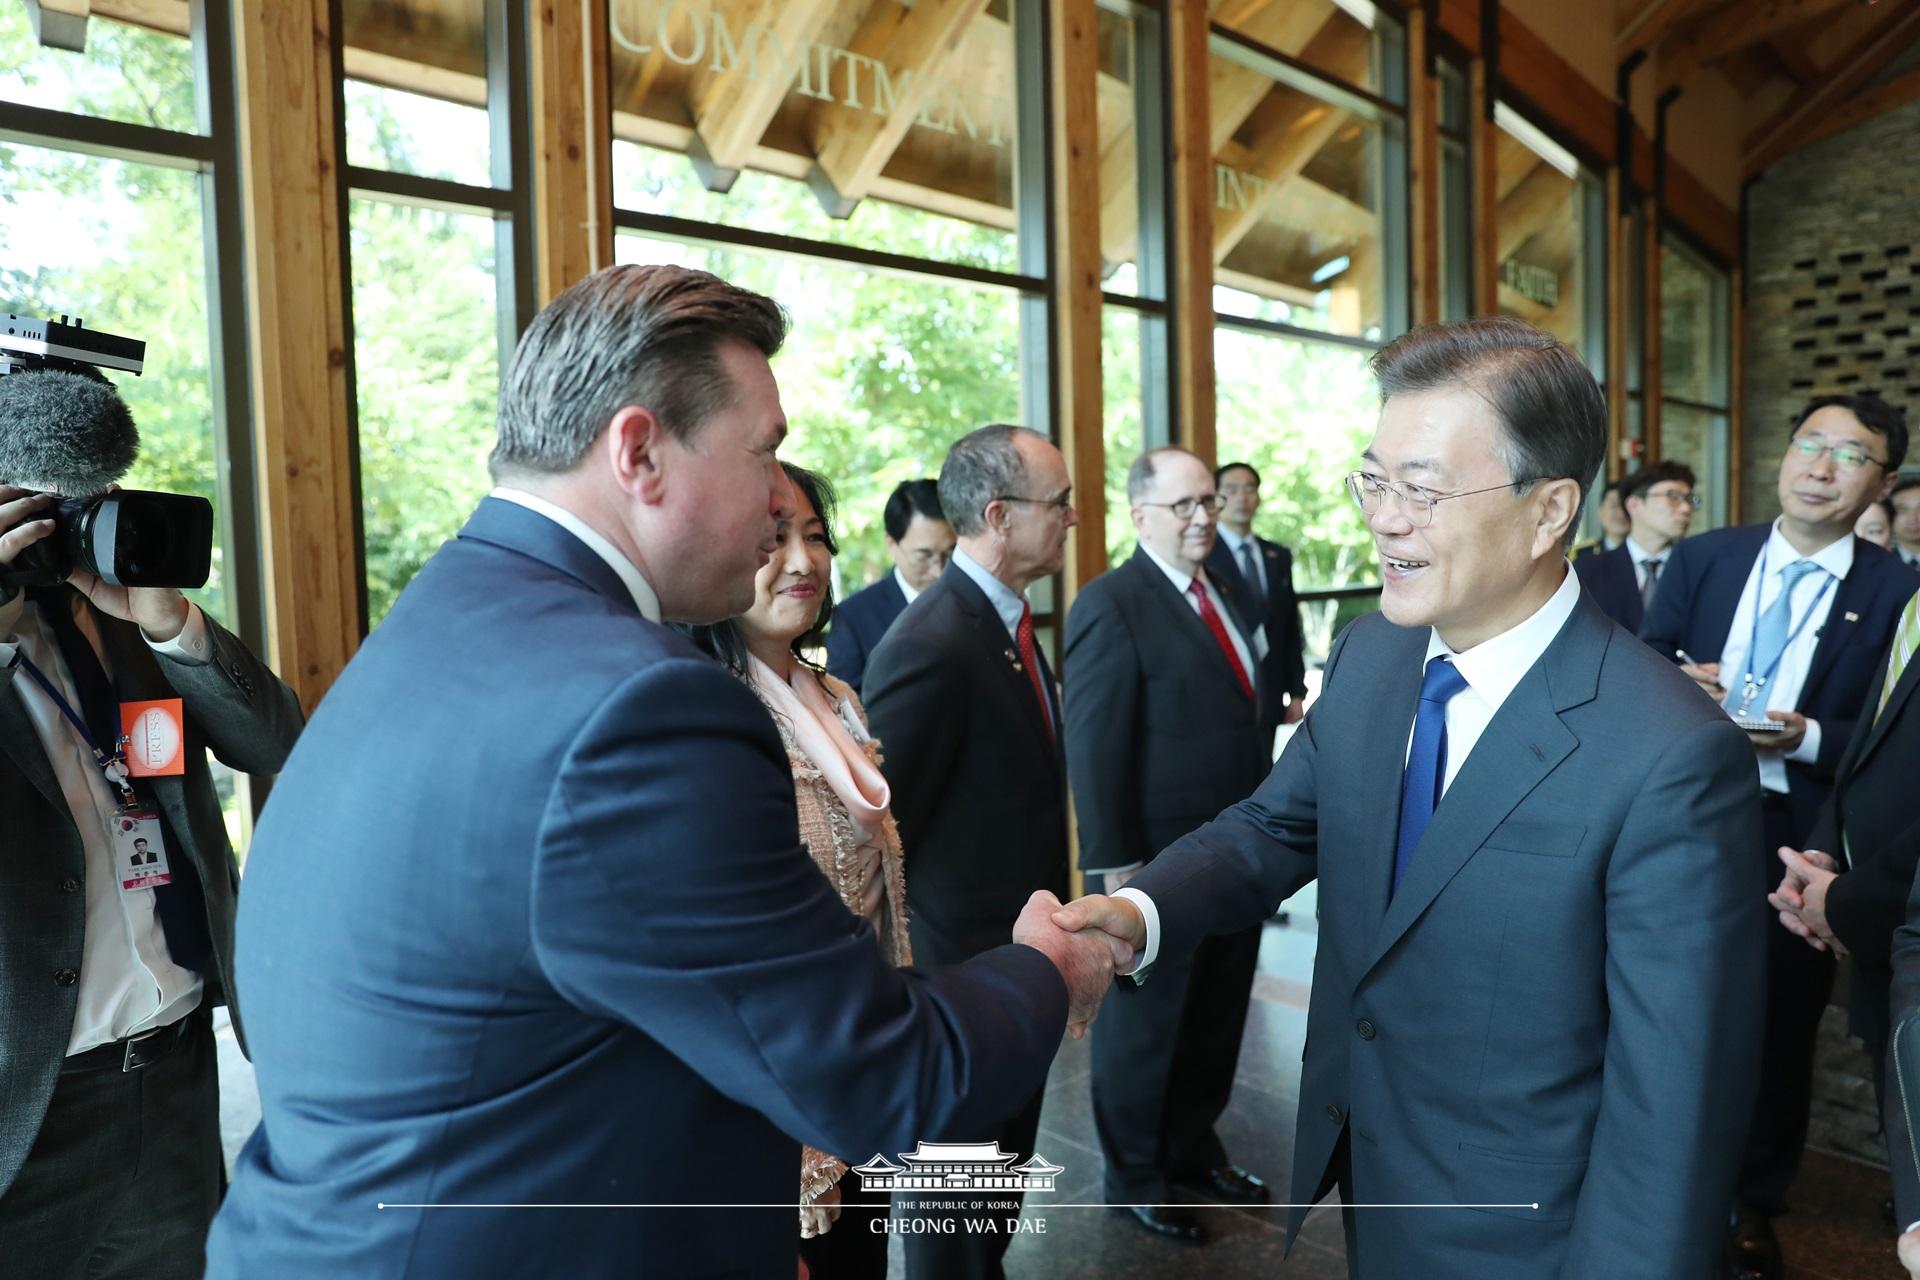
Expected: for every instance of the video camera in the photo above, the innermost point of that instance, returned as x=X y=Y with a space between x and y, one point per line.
x=54 y=405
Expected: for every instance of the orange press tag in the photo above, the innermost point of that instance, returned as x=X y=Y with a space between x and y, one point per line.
x=156 y=738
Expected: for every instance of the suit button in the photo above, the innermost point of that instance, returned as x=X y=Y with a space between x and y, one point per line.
x=1365 y=1029
x=66 y=977
x=69 y=885
x=1333 y=1113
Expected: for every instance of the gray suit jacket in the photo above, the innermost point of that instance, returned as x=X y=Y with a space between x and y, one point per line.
x=234 y=705
x=1558 y=1006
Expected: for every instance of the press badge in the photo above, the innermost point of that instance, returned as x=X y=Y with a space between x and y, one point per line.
x=153 y=738
x=139 y=854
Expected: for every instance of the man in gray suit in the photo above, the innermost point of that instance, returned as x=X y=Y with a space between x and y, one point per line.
x=110 y=1162
x=1534 y=1000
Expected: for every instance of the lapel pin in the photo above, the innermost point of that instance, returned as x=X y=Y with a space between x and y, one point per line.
x=1852 y=617
x=1014 y=658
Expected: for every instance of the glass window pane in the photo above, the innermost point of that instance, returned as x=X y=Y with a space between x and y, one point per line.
x=1122 y=427
x=879 y=375
x=133 y=72
x=1338 y=37
x=1541 y=236
x=1119 y=153
x=1298 y=187
x=1692 y=332
x=1698 y=438
x=427 y=380
x=861 y=122
x=1302 y=413
x=416 y=88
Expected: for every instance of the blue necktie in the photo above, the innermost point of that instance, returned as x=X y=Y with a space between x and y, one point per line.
x=1771 y=634
x=1426 y=773
x=1251 y=573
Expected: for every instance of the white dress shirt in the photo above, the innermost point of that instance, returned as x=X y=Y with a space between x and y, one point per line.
x=129 y=983
x=1183 y=582
x=1492 y=669
x=1783 y=690
x=1234 y=542
x=638 y=587
x=1640 y=556
x=907 y=589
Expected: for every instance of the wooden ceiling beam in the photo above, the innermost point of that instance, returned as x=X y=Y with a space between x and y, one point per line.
x=732 y=108
x=1531 y=206
x=1649 y=24
x=1789 y=128
x=1721 y=32
x=1874 y=101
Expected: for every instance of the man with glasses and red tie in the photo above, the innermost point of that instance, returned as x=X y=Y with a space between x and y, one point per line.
x=1533 y=1031
x=1783 y=624
x=1660 y=504
x=1164 y=730
x=960 y=697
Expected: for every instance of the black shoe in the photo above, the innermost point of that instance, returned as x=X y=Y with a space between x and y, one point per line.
x=1229 y=1182
x=1753 y=1246
x=1168 y=1222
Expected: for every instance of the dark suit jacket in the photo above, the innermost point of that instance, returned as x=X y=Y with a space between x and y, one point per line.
x=1284 y=671
x=1614 y=584
x=1873 y=807
x=1693 y=610
x=979 y=785
x=528 y=919
x=1558 y=1005
x=1159 y=735
x=858 y=625
x=234 y=705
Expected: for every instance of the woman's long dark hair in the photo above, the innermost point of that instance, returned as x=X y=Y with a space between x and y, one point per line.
x=724 y=640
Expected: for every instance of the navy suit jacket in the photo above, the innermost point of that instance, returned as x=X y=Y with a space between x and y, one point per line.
x=1284 y=672
x=1693 y=610
x=1614 y=584
x=1556 y=1011
x=858 y=625
x=528 y=920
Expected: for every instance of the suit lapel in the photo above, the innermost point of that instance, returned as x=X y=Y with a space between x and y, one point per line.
x=23 y=745
x=1000 y=652
x=1720 y=593
x=1902 y=691
x=1186 y=619
x=1851 y=599
x=1382 y=765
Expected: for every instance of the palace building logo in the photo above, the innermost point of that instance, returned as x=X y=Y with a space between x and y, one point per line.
x=958 y=1166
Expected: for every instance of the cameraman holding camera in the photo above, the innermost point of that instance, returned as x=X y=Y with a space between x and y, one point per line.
x=117 y=882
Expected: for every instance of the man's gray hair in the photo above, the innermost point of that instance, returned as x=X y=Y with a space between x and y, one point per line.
x=625 y=335
x=982 y=465
x=1140 y=474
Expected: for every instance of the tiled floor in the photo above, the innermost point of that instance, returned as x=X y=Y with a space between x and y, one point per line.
x=1834 y=1232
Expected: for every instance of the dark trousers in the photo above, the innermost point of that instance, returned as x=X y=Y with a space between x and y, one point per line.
x=1164 y=1055
x=1799 y=980
x=125 y=1175
x=963 y=1255
x=856 y=1247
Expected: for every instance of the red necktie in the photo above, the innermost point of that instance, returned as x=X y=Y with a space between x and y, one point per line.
x=1023 y=636
x=1211 y=617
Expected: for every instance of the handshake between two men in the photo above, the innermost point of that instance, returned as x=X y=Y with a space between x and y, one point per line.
x=1089 y=940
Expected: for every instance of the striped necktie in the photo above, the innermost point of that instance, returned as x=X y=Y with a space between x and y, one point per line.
x=1905 y=641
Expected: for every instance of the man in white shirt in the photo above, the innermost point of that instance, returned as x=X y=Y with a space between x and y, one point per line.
x=1163 y=730
x=1533 y=1002
x=1660 y=503
x=921 y=543
x=117 y=930
x=1905 y=501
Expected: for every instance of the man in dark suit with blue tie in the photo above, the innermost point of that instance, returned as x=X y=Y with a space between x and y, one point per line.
x=921 y=542
x=1257 y=575
x=629 y=986
x=1532 y=1005
x=1783 y=623
x=1660 y=503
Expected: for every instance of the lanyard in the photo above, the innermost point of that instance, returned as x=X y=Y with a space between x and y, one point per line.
x=114 y=765
x=1755 y=683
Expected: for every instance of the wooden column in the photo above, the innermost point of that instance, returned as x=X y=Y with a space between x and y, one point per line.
x=1650 y=336
x=297 y=307
x=1618 y=231
x=1193 y=199
x=573 y=142
x=1737 y=394
x=1074 y=121
x=1486 y=190
x=1424 y=180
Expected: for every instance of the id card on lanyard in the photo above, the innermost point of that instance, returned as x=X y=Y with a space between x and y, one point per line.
x=1754 y=681
x=139 y=850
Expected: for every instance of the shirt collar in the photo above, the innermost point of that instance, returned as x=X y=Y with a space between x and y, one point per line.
x=1232 y=539
x=1005 y=601
x=907 y=589
x=638 y=587
x=1494 y=667
x=1182 y=580
x=1641 y=555
x=1836 y=557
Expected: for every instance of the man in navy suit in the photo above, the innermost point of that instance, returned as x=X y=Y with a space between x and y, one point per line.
x=1532 y=999
x=1258 y=577
x=1660 y=504
x=1785 y=622
x=921 y=542
x=633 y=987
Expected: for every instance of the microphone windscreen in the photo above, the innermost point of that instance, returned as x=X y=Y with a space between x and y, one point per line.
x=64 y=432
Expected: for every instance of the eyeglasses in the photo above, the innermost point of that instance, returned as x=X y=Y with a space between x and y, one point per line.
x=1183 y=509
x=1368 y=492
x=1847 y=457
x=1062 y=505
x=1675 y=498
